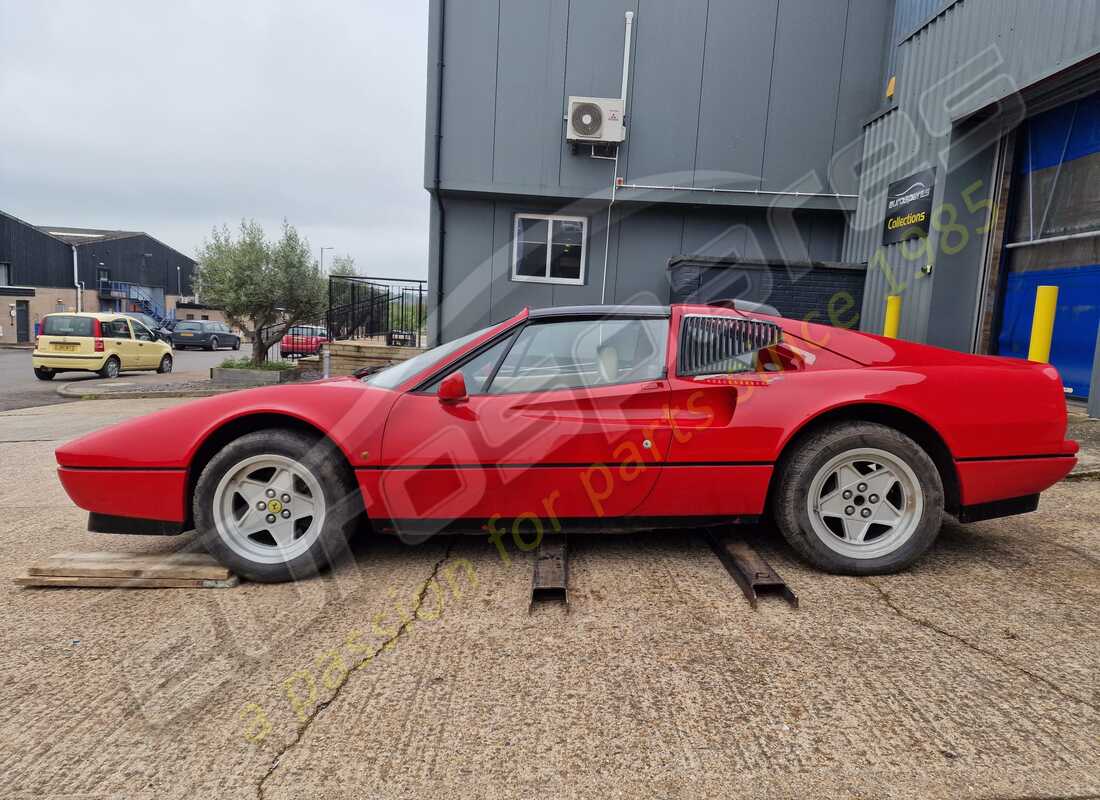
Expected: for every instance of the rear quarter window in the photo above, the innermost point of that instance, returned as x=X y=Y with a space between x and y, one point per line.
x=65 y=325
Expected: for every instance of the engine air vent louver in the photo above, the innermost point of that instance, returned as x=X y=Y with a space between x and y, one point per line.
x=717 y=345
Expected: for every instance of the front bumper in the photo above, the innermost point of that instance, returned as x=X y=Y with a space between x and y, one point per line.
x=149 y=494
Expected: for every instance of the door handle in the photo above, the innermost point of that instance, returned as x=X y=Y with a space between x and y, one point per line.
x=652 y=386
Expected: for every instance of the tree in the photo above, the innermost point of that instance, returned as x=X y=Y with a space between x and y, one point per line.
x=343 y=265
x=271 y=285
x=341 y=292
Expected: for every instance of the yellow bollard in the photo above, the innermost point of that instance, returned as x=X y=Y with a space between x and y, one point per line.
x=1042 y=323
x=893 y=316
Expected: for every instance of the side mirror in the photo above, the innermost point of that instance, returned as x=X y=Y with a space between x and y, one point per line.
x=452 y=389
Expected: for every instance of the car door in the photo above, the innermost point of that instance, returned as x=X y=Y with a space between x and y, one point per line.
x=722 y=402
x=148 y=353
x=564 y=418
x=119 y=339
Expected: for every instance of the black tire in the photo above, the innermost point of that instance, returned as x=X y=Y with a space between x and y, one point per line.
x=790 y=500
x=213 y=343
x=236 y=344
x=165 y=365
x=343 y=502
x=111 y=368
x=44 y=374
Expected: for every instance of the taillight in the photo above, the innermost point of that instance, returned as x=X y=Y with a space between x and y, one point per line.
x=97 y=330
x=99 y=345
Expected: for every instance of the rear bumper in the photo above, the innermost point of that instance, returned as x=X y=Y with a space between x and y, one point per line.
x=92 y=363
x=147 y=494
x=983 y=481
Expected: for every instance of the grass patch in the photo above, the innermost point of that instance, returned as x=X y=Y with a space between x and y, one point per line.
x=246 y=363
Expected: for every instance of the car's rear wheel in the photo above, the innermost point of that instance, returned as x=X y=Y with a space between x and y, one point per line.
x=44 y=374
x=214 y=343
x=111 y=368
x=859 y=498
x=276 y=505
x=165 y=364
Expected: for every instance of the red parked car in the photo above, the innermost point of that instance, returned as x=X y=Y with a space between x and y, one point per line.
x=597 y=418
x=303 y=340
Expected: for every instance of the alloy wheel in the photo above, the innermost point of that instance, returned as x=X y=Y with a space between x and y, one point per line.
x=865 y=503
x=269 y=509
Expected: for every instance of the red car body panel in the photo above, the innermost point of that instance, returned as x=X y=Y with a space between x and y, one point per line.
x=141 y=493
x=676 y=447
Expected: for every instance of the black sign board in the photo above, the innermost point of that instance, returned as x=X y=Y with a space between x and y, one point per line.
x=909 y=207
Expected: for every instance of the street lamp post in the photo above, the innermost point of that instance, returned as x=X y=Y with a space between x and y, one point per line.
x=323 y=249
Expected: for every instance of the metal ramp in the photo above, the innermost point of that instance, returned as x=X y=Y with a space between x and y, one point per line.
x=550 y=575
x=753 y=574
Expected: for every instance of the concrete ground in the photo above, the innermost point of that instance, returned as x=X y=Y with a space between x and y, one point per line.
x=22 y=390
x=418 y=672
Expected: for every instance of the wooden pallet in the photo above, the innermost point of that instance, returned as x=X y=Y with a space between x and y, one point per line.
x=130 y=571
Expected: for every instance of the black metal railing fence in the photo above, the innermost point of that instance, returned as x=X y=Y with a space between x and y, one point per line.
x=365 y=308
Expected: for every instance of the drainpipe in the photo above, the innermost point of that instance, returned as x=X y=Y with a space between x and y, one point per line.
x=76 y=282
x=436 y=178
x=615 y=170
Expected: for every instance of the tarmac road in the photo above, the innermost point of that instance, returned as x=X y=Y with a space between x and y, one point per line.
x=20 y=389
x=974 y=675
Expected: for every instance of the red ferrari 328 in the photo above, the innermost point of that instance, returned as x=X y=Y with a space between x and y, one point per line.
x=597 y=418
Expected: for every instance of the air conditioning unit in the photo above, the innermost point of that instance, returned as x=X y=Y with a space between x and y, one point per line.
x=595 y=119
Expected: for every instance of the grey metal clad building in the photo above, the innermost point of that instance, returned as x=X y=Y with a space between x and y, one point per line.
x=1002 y=99
x=741 y=119
x=945 y=151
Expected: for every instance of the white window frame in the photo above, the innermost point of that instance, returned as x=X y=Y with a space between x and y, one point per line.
x=545 y=277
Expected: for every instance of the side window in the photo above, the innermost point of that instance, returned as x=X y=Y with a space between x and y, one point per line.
x=477 y=370
x=569 y=355
x=142 y=333
x=116 y=329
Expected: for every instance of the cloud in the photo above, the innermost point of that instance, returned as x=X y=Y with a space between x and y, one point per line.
x=174 y=118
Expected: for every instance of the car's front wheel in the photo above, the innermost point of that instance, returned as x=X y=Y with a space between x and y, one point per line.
x=859 y=498
x=276 y=505
x=165 y=364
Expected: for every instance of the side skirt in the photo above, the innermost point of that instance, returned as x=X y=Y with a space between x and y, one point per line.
x=577 y=525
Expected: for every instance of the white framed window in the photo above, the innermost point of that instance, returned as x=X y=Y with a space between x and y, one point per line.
x=549 y=248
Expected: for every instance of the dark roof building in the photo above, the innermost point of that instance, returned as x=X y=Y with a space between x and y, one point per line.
x=59 y=267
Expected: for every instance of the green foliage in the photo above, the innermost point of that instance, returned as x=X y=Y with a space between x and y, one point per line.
x=248 y=363
x=343 y=265
x=261 y=283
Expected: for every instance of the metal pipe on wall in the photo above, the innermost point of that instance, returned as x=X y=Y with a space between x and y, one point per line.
x=442 y=214
x=615 y=168
x=76 y=282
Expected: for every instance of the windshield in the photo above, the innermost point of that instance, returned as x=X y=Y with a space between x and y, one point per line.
x=55 y=325
x=392 y=377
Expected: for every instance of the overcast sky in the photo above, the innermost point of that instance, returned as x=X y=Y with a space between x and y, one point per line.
x=175 y=117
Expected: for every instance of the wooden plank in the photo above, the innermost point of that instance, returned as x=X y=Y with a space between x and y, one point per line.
x=180 y=565
x=123 y=583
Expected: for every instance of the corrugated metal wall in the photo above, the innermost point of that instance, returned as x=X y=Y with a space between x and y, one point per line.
x=974 y=53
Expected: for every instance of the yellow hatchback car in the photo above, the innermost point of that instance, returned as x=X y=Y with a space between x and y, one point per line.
x=103 y=343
